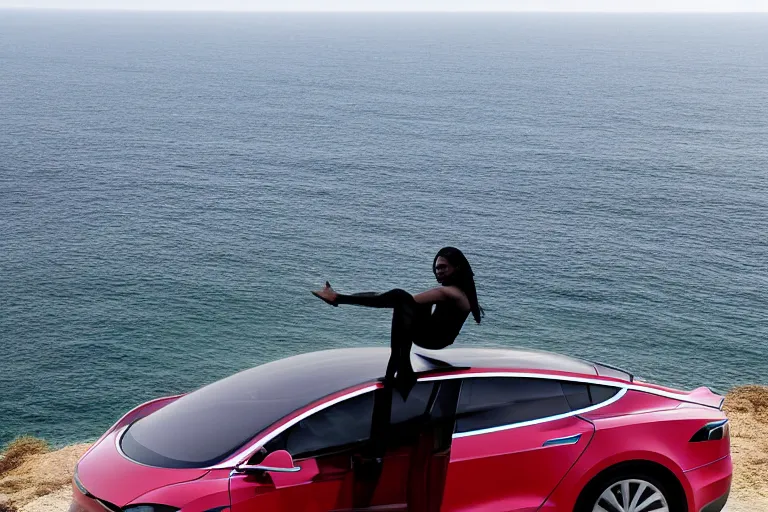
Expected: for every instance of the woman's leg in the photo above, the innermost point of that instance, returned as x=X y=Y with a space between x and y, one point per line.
x=401 y=338
x=407 y=317
x=390 y=299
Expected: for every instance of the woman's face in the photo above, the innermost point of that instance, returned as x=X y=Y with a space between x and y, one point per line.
x=443 y=269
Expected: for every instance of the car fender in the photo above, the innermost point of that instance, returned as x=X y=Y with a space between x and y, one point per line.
x=594 y=461
x=207 y=493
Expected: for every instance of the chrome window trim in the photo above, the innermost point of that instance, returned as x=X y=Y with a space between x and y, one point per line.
x=490 y=430
x=586 y=380
x=248 y=452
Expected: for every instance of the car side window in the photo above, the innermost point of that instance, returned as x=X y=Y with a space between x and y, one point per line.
x=577 y=394
x=581 y=395
x=599 y=394
x=407 y=418
x=416 y=406
x=498 y=401
x=332 y=429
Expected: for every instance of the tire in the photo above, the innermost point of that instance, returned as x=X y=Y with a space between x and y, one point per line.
x=629 y=492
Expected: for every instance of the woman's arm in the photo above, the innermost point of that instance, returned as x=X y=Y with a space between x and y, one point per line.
x=437 y=294
x=443 y=294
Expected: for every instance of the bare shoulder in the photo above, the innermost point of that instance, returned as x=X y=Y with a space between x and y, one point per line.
x=453 y=292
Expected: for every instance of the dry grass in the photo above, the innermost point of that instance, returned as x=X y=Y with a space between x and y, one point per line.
x=28 y=471
x=18 y=450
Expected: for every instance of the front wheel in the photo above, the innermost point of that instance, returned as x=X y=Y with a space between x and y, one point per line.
x=636 y=493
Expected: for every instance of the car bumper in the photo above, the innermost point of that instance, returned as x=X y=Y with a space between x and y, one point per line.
x=711 y=485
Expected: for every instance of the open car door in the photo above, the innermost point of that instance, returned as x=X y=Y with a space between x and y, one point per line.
x=371 y=452
x=414 y=448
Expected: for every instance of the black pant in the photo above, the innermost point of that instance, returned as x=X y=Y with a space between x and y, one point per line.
x=411 y=323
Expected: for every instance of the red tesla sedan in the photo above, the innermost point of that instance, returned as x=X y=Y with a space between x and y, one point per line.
x=482 y=430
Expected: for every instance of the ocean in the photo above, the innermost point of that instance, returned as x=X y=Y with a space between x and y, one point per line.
x=172 y=186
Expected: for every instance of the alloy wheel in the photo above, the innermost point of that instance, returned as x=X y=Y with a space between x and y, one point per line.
x=631 y=496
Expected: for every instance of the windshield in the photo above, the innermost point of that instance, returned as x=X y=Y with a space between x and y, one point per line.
x=206 y=426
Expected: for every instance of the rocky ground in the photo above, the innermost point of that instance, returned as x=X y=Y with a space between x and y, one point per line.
x=747 y=408
x=34 y=479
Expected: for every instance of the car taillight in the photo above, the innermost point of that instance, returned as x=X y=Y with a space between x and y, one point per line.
x=713 y=431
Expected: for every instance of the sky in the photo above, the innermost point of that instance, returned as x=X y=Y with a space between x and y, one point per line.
x=403 y=5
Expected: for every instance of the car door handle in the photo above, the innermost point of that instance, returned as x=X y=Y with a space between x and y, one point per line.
x=255 y=469
x=558 y=441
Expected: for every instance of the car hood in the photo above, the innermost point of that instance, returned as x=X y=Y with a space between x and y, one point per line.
x=111 y=477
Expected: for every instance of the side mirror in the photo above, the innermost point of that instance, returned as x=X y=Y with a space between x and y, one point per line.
x=279 y=461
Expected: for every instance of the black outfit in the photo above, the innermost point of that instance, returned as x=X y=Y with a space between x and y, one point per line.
x=411 y=323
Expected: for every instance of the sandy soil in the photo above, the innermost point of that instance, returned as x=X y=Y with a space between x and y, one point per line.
x=35 y=480
x=747 y=408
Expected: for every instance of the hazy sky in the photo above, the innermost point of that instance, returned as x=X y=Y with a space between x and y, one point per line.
x=402 y=5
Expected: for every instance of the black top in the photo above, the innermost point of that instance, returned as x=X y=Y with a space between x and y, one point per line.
x=443 y=326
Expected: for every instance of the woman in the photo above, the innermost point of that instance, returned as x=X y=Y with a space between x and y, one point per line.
x=413 y=318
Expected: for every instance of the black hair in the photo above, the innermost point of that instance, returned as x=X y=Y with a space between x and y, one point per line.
x=463 y=277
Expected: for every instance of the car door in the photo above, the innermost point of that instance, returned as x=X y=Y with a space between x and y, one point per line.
x=362 y=453
x=515 y=439
x=323 y=446
x=416 y=448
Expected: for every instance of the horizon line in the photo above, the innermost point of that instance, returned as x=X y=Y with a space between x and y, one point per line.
x=340 y=11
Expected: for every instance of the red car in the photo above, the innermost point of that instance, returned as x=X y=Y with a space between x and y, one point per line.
x=482 y=430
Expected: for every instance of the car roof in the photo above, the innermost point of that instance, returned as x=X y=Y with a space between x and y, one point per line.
x=507 y=359
x=519 y=359
x=328 y=371
x=252 y=400
x=301 y=379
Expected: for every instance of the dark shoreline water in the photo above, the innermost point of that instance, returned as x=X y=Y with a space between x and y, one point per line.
x=172 y=186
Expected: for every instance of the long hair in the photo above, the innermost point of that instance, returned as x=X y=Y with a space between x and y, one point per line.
x=463 y=277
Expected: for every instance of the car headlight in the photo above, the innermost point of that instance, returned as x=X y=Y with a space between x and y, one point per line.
x=150 y=508
x=79 y=484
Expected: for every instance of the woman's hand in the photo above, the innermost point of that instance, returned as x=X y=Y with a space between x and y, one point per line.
x=328 y=294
